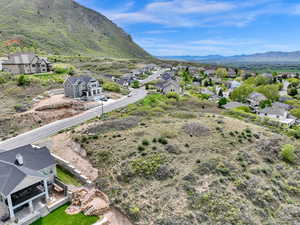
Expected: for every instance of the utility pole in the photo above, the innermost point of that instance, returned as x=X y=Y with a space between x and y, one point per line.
x=102 y=106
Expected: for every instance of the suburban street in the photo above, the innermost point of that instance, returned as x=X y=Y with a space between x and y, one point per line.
x=53 y=128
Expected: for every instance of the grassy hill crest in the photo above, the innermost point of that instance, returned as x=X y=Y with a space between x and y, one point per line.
x=64 y=27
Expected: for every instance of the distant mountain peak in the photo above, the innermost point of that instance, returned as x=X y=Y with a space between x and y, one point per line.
x=267 y=57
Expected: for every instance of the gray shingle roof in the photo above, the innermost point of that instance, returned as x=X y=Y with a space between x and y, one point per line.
x=34 y=158
x=232 y=105
x=11 y=174
x=257 y=96
x=20 y=58
x=274 y=111
x=74 y=80
x=163 y=84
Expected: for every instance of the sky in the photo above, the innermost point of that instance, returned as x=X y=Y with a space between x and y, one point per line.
x=206 y=27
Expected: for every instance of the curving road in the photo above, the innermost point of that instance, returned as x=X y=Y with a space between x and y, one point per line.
x=53 y=128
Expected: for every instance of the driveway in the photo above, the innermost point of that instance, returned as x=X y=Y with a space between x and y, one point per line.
x=57 y=126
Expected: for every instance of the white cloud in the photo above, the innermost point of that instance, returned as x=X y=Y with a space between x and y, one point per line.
x=199 y=13
x=189 y=6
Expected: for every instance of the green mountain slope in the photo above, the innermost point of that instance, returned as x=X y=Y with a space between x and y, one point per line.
x=64 y=27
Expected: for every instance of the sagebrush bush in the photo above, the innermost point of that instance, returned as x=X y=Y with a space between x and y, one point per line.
x=288 y=153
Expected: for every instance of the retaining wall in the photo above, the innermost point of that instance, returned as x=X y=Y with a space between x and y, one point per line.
x=70 y=168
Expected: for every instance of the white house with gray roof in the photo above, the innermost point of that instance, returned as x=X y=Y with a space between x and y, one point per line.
x=27 y=174
x=82 y=87
x=278 y=113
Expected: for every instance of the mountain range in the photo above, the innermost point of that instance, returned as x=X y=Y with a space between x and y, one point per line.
x=64 y=27
x=268 y=57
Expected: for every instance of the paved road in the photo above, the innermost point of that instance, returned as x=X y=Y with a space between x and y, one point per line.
x=53 y=128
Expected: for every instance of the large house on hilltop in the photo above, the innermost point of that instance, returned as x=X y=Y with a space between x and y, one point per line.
x=25 y=63
x=27 y=177
x=83 y=87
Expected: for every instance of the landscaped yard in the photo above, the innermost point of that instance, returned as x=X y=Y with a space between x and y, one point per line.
x=59 y=217
x=66 y=177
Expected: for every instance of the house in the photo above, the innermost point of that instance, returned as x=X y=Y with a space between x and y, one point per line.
x=268 y=75
x=256 y=98
x=27 y=178
x=169 y=75
x=285 y=98
x=234 y=84
x=84 y=87
x=233 y=105
x=168 y=86
x=206 y=91
x=277 y=113
x=282 y=105
x=209 y=72
x=26 y=63
x=2 y=59
x=231 y=73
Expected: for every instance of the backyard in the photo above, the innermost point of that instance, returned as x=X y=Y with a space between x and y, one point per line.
x=66 y=177
x=59 y=217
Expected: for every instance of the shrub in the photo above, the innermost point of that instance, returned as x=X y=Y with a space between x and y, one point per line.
x=222 y=101
x=111 y=86
x=173 y=95
x=296 y=112
x=141 y=148
x=64 y=69
x=145 y=142
x=288 y=153
x=2 y=80
x=22 y=81
x=136 y=84
x=294 y=132
x=163 y=140
x=147 y=166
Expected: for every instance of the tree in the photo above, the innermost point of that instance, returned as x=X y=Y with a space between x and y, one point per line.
x=261 y=80
x=221 y=72
x=265 y=104
x=241 y=93
x=293 y=91
x=270 y=91
x=222 y=101
x=187 y=78
x=136 y=84
x=220 y=93
x=22 y=81
x=296 y=112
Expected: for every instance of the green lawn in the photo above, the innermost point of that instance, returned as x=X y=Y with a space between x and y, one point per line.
x=66 y=177
x=59 y=217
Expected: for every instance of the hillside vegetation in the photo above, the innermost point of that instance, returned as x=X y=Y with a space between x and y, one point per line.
x=181 y=162
x=63 y=27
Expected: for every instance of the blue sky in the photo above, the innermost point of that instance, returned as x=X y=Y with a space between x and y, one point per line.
x=205 y=27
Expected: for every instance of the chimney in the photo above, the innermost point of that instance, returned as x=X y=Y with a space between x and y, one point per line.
x=19 y=160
